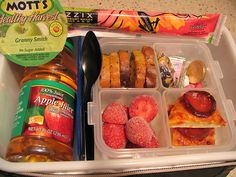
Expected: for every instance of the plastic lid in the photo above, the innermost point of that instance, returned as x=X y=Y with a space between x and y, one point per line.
x=69 y=44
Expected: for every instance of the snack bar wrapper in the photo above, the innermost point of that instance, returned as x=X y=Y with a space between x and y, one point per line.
x=207 y=28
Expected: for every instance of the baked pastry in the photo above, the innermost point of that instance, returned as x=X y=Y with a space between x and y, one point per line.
x=115 y=70
x=105 y=76
x=151 y=72
x=138 y=69
x=192 y=136
x=183 y=116
x=124 y=68
x=193 y=119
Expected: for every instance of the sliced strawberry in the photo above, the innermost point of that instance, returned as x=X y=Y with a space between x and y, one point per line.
x=143 y=106
x=194 y=133
x=199 y=103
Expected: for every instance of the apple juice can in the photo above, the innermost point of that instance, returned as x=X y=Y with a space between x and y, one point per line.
x=44 y=121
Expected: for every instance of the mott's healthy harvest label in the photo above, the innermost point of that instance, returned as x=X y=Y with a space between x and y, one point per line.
x=32 y=32
x=45 y=108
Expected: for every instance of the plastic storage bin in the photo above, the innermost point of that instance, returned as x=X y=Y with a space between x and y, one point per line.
x=109 y=45
x=224 y=135
x=225 y=54
x=189 y=50
x=124 y=97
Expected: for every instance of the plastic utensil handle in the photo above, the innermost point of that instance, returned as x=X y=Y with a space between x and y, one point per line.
x=87 y=129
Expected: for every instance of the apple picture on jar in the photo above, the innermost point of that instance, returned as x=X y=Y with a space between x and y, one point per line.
x=60 y=122
x=23 y=30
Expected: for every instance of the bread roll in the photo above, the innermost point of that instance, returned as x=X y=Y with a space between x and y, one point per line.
x=151 y=72
x=105 y=72
x=124 y=68
x=115 y=70
x=138 y=69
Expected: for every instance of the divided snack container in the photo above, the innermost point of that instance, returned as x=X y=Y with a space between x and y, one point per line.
x=125 y=97
x=165 y=97
x=220 y=78
x=189 y=52
x=224 y=136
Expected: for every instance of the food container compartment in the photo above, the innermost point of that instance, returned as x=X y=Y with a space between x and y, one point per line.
x=224 y=137
x=109 y=45
x=190 y=52
x=125 y=96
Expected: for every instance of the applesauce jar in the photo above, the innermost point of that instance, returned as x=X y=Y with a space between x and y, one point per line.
x=44 y=121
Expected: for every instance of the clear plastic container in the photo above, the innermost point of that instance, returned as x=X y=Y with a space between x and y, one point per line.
x=190 y=52
x=223 y=135
x=125 y=96
x=165 y=96
x=109 y=45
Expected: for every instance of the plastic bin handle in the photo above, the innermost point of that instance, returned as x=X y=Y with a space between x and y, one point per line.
x=91 y=115
x=217 y=70
x=230 y=109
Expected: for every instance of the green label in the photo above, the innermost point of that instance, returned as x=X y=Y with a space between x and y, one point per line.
x=32 y=32
x=45 y=108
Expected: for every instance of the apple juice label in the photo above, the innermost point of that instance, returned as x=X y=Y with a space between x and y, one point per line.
x=32 y=32
x=45 y=108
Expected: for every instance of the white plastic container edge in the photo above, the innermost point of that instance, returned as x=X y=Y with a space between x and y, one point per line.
x=122 y=164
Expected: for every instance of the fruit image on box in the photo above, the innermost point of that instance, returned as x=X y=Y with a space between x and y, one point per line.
x=60 y=121
x=26 y=30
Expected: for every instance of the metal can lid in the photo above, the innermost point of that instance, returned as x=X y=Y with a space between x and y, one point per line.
x=196 y=71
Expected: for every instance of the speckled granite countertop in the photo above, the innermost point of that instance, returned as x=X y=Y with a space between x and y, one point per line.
x=227 y=7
